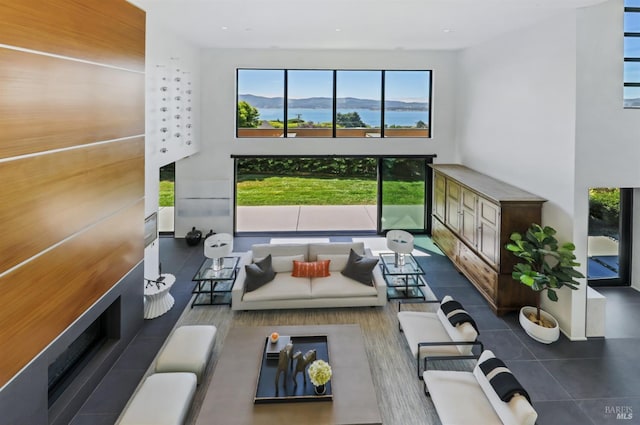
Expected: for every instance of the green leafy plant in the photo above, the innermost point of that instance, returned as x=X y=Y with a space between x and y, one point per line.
x=547 y=265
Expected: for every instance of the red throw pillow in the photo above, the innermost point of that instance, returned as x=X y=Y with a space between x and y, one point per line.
x=311 y=268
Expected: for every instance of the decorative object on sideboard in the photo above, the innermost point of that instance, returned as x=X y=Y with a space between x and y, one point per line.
x=546 y=266
x=193 y=237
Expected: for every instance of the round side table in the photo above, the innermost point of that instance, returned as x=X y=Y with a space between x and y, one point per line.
x=157 y=299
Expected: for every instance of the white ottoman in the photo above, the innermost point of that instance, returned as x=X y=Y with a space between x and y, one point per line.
x=163 y=399
x=188 y=350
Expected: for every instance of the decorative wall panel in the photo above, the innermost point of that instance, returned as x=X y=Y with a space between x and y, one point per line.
x=44 y=297
x=50 y=103
x=55 y=195
x=72 y=99
x=105 y=31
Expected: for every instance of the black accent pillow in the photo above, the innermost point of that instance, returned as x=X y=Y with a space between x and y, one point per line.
x=502 y=380
x=258 y=274
x=359 y=268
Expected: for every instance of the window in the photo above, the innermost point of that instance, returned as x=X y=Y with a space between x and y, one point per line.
x=309 y=103
x=260 y=102
x=632 y=54
x=333 y=103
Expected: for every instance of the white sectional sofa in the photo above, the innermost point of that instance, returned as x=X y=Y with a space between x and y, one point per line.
x=286 y=291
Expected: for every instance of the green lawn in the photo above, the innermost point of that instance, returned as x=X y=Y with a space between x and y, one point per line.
x=313 y=191
x=166 y=193
x=306 y=191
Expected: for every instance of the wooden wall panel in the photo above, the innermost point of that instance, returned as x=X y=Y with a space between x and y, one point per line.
x=49 y=103
x=42 y=298
x=55 y=195
x=104 y=31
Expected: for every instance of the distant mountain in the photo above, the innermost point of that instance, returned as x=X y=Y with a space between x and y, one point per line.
x=327 y=103
x=632 y=103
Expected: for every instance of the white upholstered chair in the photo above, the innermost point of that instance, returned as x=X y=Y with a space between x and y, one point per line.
x=430 y=335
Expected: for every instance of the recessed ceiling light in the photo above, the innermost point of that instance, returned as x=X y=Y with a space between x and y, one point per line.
x=446 y=30
x=338 y=30
x=224 y=28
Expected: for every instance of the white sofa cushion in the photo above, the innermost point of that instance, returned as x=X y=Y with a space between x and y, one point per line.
x=283 y=287
x=188 y=350
x=279 y=250
x=458 y=398
x=339 y=286
x=517 y=411
x=162 y=399
x=333 y=248
x=338 y=261
x=282 y=263
x=421 y=326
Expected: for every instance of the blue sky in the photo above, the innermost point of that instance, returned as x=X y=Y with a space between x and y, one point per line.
x=400 y=85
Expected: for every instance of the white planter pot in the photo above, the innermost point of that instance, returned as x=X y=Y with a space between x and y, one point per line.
x=537 y=332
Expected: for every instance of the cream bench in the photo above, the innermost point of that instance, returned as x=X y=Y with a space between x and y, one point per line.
x=162 y=399
x=187 y=350
x=480 y=403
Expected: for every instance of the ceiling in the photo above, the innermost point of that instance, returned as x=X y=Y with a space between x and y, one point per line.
x=349 y=24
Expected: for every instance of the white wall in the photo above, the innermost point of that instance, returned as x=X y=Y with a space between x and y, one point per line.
x=608 y=136
x=214 y=164
x=165 y=55
x=556 y=97
x=516 y=122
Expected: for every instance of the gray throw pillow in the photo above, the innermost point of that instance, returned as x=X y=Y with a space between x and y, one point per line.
x=258 y=274
x=359 y=268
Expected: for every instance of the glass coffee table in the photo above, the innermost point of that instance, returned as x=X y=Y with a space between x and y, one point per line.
x=213 y=287
x=403 y=281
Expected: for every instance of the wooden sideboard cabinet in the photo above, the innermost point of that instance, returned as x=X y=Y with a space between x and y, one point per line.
x=473 y=218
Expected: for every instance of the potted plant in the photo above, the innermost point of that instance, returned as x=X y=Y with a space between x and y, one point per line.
x=546 y=266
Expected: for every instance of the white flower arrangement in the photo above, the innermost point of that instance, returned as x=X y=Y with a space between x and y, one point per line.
x=319 y=372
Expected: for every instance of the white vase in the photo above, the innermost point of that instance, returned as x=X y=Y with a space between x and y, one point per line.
x=537 y=332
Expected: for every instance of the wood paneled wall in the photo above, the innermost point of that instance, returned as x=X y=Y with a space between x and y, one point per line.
x=71 y=163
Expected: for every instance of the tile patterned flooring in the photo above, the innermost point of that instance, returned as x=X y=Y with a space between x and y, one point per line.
x=594 y=382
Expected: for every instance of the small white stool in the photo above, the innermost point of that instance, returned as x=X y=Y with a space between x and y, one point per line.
x=188 y=350
x=157 y=298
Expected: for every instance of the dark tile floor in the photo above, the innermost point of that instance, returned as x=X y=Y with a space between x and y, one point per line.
x=594 y=382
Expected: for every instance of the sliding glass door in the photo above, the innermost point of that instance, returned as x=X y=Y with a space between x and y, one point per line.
x=609 y=243
x=404 y=194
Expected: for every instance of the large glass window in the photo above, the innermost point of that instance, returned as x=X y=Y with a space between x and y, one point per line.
x=632 y=54
x=359 y=103
x=333 y=103
x=260 y=103
x=310 y=103
x=406 y=103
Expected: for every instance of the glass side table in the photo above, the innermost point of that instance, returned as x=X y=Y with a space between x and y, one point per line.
x=213 y=287
x=403 y=281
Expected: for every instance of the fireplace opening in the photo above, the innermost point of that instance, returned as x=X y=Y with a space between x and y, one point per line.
x=80 y=352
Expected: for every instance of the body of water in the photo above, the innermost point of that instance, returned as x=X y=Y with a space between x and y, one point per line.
x=371 y=118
